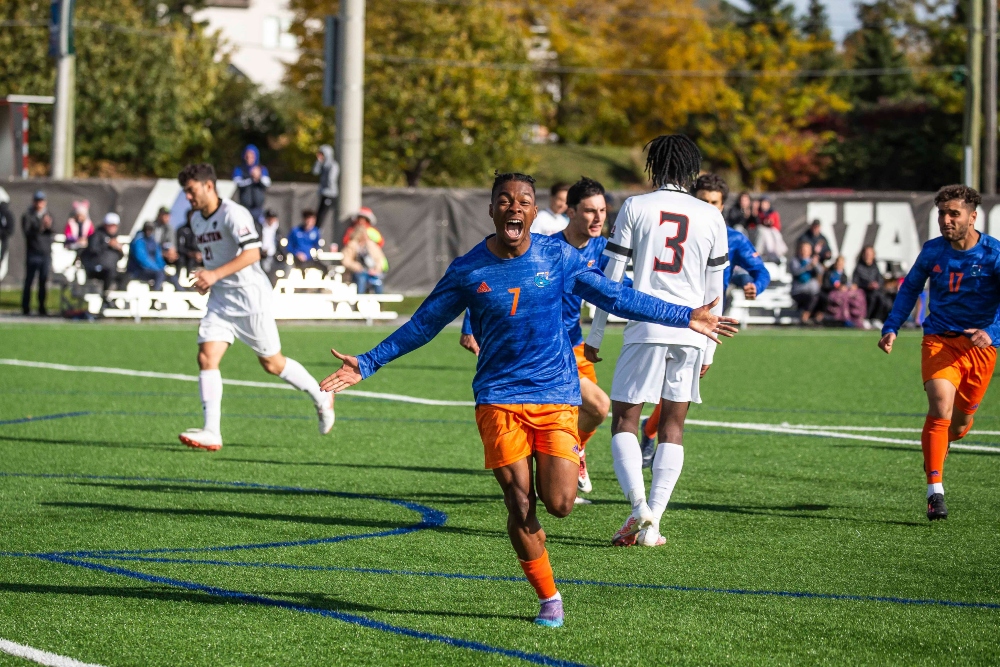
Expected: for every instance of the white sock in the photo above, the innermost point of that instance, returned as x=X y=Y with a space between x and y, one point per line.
x=627 y=457
x=296 y=375
x=936 y=487
x=557 y=596
x=667 y=466
x=210 y=386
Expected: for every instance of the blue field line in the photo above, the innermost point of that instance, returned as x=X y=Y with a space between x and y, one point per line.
x=571 y=582
x=354 y=619
x=408 y=420
x=42 y=418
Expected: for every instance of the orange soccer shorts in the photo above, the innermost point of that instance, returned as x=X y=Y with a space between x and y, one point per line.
x=583 y=367
x=963 y=364
x=514 y=432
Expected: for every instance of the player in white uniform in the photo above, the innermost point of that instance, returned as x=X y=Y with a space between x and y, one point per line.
x=679 y=249
x=239 y=304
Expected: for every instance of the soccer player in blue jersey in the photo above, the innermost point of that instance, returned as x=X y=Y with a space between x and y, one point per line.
x=587 y=210
x=526 y=388
x=713 y=189
x=958 y=352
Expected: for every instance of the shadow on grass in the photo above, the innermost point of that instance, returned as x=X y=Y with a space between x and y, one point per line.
x=172 y=446
x=208 y=488
x=801 y=511
x=368 y=466
x=232 y=514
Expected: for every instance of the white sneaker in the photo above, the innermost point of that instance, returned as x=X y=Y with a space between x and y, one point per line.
x=583 y=484
x=650 y=537
x=199 y=438
x=637 y=522
x=326 y=415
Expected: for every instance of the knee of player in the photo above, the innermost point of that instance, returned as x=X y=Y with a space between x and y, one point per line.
x=561 y=506
x=273 y=365
x=601 y=406
x=204 y=361
x=518 y=505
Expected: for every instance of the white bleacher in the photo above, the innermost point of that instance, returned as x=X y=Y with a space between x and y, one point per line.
x=773 y=306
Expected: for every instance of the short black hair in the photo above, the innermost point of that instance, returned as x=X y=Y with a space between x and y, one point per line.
x=969 y=196
x=673 y=159
x=582 y=189
x=499 y=179
x=712 y=183
x=558 y=187
x=307 y=213
x=202 y=172
x=270 y=213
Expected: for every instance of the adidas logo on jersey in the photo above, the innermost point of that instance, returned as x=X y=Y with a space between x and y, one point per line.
x=937 y=268
x=483 y=288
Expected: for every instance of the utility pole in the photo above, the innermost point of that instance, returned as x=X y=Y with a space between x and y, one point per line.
x=62 y=48
x=350 y=107
x=974 y=95
x=990 y=100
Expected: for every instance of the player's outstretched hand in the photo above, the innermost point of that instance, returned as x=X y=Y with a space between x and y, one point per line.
x=348 y=375
x=468 y=341
x=707 y=323
x=590 y=354
x=750 y=291
x=979 y=337
x=886 y=343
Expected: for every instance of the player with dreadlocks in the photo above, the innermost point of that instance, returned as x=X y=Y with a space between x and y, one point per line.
x=679 y=250
x=526 y=386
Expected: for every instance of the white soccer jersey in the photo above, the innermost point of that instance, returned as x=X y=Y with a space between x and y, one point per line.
x=548 y=223
x=221 y=237
x=676 y=243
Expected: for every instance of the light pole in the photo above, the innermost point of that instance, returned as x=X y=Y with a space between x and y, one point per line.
x=61 y=47
x=350 y=106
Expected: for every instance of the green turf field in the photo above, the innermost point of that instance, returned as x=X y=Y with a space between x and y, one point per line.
x=778 y=544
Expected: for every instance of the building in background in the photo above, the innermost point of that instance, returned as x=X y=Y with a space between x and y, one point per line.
x=257 y=31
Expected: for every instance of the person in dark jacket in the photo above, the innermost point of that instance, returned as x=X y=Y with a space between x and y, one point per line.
x=37 y=226
x=329 y=185
x=7 y=222
x=814 y=237
x=252 y=181
x=740 y=216
x=145 y=259
x=189 y=255
x=100 y=257
x=868 y=277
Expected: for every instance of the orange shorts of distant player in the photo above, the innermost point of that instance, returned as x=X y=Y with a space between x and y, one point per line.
x=514 y=432
x=961 y=363
x=583 y=367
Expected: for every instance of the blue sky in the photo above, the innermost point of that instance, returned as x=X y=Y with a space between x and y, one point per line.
x=843 y=16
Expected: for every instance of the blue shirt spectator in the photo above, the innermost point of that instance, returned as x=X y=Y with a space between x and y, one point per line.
x=145 y=259
x=304 y=240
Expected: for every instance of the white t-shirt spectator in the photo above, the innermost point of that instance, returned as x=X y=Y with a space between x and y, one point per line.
x=549 y=223
x=268 y=240
x=770 y=245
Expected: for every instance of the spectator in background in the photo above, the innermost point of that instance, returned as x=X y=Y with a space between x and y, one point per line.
x=329 y=185
x=841 y=300
x=303 y=243
x=365 y=217
x=740 y=216
x=36 y=223
x=270 y=242
x=553 y=219
x=79 y=228
x=364 y=259
x=145 y=259
x=165 y=236
x=814 y=237
x=766 y=213
x=100 y=257
x=769 y=242
x=188 y=253
x=868 y=277
x=806 y=270
x=252 y=181
x=7 y=222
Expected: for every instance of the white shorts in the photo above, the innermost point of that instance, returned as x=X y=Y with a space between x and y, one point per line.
x=259 y=331
x=647 y=372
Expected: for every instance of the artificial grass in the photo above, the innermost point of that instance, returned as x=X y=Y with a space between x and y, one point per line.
x=753 y=511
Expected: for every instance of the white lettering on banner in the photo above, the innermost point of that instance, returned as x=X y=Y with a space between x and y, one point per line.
x=857 y=216
x=897 y=239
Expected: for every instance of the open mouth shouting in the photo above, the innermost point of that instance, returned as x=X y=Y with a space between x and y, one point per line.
x=514 y=229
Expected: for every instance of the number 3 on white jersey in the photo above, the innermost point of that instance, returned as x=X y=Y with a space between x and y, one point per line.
x=673 y=229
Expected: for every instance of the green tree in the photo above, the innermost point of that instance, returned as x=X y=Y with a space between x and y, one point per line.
x=426 y=121
x=878 y=48
x=816 y=30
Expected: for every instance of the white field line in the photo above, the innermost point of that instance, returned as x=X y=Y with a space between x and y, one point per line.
x=884 y=429
x=238 y=383
x=840 y=432
x=41 y=657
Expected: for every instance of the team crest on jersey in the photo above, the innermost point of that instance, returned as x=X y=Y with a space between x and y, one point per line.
x=542 y=279
x=590 y=263
x=975 y=271
x=215 y=223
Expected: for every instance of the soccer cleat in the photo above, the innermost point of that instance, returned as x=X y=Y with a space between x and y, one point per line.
x=650 y=537
x=936 y=509
x=583 y=481
x=199 y=438
x=551 y=614
x=628 y=533
x=326 y=415
x=648 y=446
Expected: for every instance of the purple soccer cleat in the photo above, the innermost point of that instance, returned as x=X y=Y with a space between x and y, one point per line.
x=551 y=614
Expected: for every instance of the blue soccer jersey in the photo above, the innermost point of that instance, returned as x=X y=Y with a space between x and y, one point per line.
x=965 y=288
x=744 y=255
x=516 y=310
